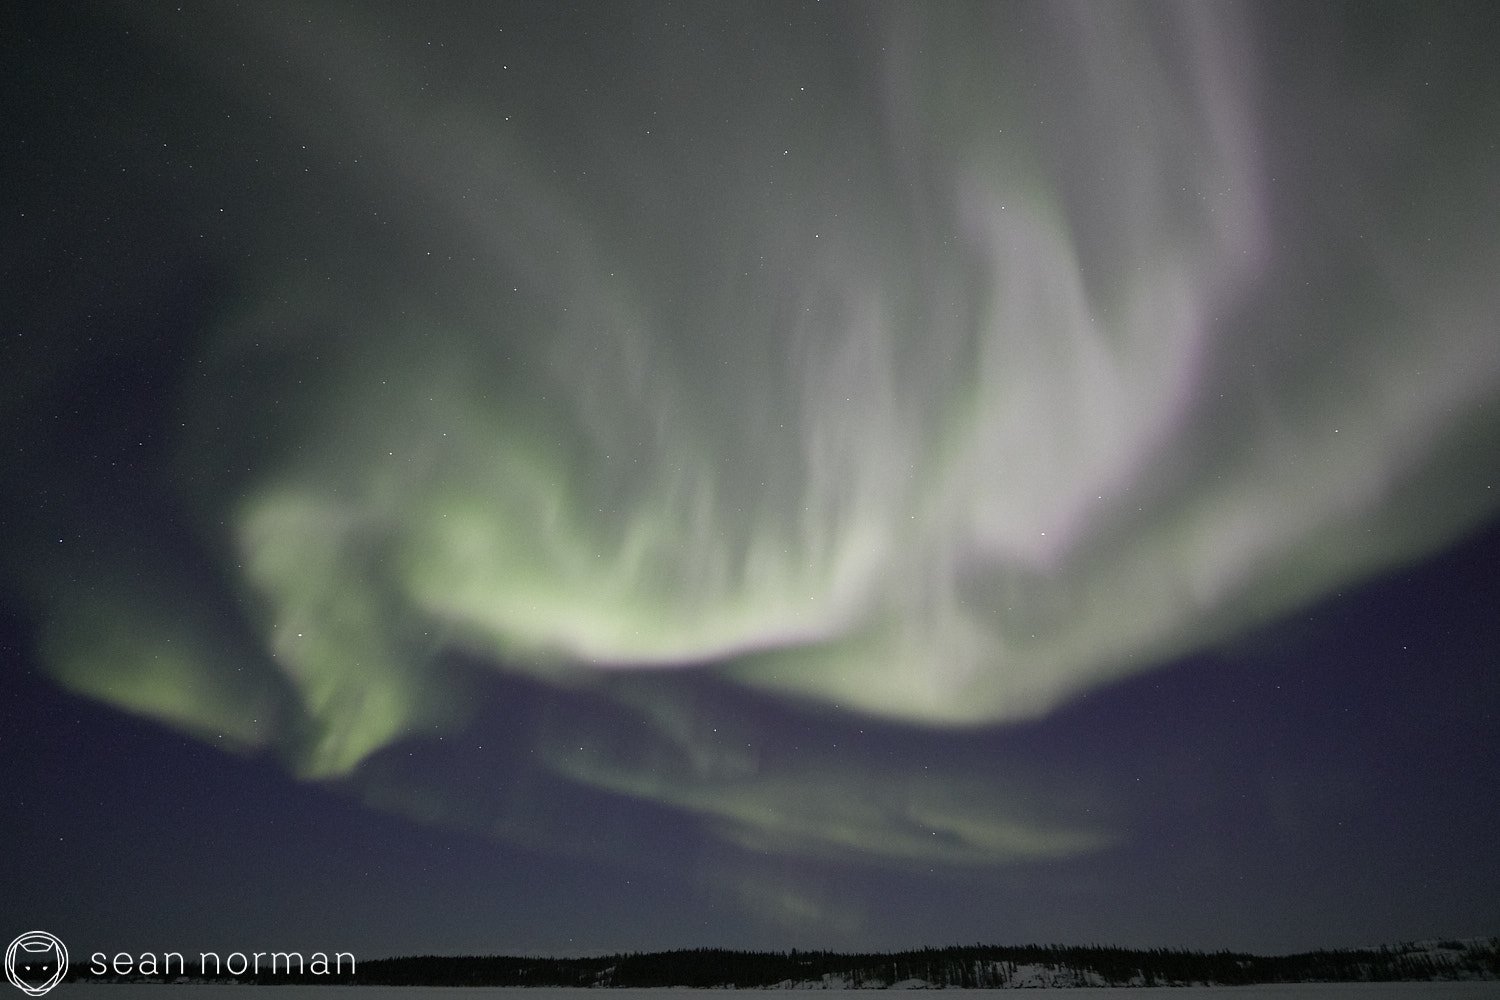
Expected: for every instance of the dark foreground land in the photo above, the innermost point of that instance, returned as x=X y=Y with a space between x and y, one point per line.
x=970 y=967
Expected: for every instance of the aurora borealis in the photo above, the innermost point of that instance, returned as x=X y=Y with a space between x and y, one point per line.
x=799 y=465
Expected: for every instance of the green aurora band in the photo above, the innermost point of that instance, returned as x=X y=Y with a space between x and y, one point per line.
x=914 y=390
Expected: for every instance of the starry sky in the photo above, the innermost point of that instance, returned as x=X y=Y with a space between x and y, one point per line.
x=563 y=478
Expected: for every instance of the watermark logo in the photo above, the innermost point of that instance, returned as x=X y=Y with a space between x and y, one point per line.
x=35 y=962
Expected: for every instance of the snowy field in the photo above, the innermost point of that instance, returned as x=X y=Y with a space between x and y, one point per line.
x=1309 y=991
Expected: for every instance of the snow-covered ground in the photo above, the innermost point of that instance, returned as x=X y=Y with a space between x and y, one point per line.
x=1282 y=991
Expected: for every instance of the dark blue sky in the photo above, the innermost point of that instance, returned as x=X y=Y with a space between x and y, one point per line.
x=1324 y=781
x=563 y=479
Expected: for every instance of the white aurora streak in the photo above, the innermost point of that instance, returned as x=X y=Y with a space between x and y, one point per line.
x=941 y=388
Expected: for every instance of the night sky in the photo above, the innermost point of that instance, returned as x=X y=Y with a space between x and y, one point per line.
x=564 y=478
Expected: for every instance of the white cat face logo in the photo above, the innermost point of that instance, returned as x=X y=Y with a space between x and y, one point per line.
x=35 y=962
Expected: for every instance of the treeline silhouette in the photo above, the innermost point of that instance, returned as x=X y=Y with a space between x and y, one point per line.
x=969 y=967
